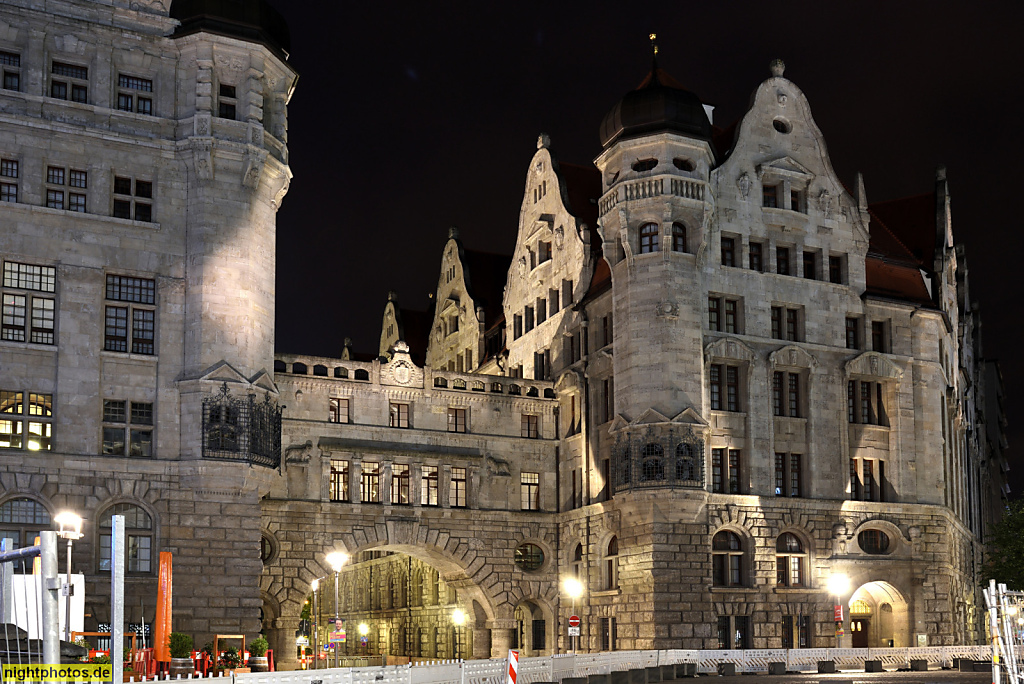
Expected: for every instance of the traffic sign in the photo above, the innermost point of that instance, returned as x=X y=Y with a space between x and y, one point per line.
x=839 y=613
x=574 y=631
x=574 y=620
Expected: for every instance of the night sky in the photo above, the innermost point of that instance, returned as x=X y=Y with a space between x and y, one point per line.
x=413 y=117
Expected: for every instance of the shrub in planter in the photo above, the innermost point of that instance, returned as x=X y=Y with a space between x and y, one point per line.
x=258 y=655
x=181 y=645
x=100 y=660
x=231 y=659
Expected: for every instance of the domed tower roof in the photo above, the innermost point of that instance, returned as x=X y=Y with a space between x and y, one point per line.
x=250 y=20
x=660 y=103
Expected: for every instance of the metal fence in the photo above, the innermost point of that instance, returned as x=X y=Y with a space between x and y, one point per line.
x=558 y=667
x=1006 y=625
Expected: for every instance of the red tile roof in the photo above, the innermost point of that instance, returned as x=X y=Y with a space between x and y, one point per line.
x=912 y=219
x=896 y=281
x=902 y=245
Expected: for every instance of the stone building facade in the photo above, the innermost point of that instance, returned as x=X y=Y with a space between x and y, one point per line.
x=709 y=378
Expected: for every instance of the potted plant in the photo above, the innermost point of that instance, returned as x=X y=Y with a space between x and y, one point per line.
x=258 y=655
x=181 y=654
x=232 y=660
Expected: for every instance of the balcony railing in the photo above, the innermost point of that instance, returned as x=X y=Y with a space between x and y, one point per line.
x=656 y=186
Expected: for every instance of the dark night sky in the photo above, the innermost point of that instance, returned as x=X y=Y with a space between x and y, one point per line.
x=412 y=117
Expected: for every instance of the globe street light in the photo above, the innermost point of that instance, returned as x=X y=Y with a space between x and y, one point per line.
x=458 y=619
x=70 y=529
x=838 y=584
x=574 y=589
x=336 y=559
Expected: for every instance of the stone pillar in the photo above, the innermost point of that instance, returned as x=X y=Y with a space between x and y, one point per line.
x=481 y=642
x=355 y=477
x=282 y=640
x=501 y=637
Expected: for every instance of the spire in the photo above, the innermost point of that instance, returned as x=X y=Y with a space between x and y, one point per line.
x=654 y=52
x=860 y=195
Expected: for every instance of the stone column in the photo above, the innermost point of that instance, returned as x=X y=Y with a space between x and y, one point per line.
x=283 y=643
x=481 y=644
x=501 y=637
x=355 y=475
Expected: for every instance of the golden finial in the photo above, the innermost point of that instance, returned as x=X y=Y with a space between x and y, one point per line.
x=654 y=46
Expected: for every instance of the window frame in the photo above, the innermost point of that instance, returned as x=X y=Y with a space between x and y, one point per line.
x=648 y=238
x=529 y=491
x=76 y=87
x=137 y=203
x=399 y=415
x=728 y=560
x=339 y=480
x=136 y=318
x=430 y=478
x=131 y=532
x=458 y=495
x=30 y=413
x=132 y=92
x=134 y=430
x=790 y=561
x=10 y=70
x=10 y=180
x=339 y=410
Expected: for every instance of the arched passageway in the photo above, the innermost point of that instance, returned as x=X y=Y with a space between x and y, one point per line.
x=879 y=616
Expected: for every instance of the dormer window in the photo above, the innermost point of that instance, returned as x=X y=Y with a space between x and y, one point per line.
x=543 y=252
x=770 y=196
x=641 y=165
x=796 y=201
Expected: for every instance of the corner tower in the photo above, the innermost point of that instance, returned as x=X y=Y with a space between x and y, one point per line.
x=654 y=213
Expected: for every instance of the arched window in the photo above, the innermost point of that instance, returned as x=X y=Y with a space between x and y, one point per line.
x=21 y=521
x=790 y=560
x=686 y=462
x=678 y=237
x=653 y=463
x=727 y=559
x=138 y=528
x=611 y=564
x=577 y=561
x=648 y=238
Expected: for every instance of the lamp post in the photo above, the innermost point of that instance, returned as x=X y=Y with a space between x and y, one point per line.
x=315 y=586
x=574 y=589
x=70 y=529
x=458 y=619
x=336 y=559
x=838 y=584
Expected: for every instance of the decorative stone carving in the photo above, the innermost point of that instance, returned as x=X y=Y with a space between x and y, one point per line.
x=256 y=135
x=202 y=124
x=298 y=454
x=825 y=202
x=253 y=168
x=498 y=467
x=559 y=237
x=782 y=99
x=743 y=183
x=235 y=64
x=667 y=309
x=543 y=142
x=522 y=267
x=203 y=159
x=157 y=6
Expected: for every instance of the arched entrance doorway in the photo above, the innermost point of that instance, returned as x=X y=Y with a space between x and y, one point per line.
x=879 y=617
x=531 y=635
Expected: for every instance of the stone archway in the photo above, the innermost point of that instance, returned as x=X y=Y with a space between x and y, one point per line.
x=458 y=567
x=534 y=633
x=882 y=614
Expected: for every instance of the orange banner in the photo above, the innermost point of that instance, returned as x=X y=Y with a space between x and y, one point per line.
x=162 y=628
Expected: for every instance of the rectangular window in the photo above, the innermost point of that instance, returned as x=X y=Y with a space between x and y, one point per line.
x=780 y=474
x=794 y=395
x=339 y=480
x=732 y=388
x=456 y=420
x=852 y=333
x=553 y=297
x=782 y=261
x=795 y=480
x=851 y=401
x=14 y=317
x=716 y=387
x=399 y=415
x=528 y=319
x=69 y=79
x=543 y=252
x=226 y=102
x=133 y=199
x=531 y=426
x=734 y=471
x=541 y=307
x=517 y=327
x=8 y=192
x=11 y=63
x=369 y=483
x=787 y=631
x=127 y=428
x=566 y=294
x=810 y=267
x=337 y=411
x=878 y=337
x=777 y=390
x=9 y=169
x=143 y=331
x=717 y=458
x=606 y=330
x=400 y=484
x=835 y=269
x=868 y=481
x=428 y=486
x=457 y=488
x=728 y=251
x=770 y=196
x=854 y=481
x=756 y=256
x=777 y=322
x=792 y=320
x=529 y=491
x=731 y=319
x=796 y=200
x=135 y=94
x=714 y=313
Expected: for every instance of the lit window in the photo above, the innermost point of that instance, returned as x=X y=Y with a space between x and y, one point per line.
x=25 y=424
x=400 y=484
x=457 y=488
x=428 y=486
x=339 y=480
x=610 y=575
x=530 y=491
x=337 y=411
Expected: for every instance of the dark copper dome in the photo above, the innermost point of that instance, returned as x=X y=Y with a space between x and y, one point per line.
x=658 y=104
x=251 y=20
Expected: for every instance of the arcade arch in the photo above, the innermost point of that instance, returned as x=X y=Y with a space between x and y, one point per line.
x=879 y=616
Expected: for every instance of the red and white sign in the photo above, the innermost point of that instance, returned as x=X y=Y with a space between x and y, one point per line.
x=574 y=620
x=513 y=667
x=839 y=613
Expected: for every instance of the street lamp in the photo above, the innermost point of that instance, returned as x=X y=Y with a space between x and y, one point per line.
x=315 y=586
x=458 y=619
x=364 y=629
x=838 y=584
x=336 y=559
x=70 y=529
x=574 y=589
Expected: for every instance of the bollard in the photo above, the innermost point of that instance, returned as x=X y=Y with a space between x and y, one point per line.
x=918 y=665
x=686 y=670
x=668 y=673
x=826 y=666
x=873 y=666
x=727 y=669
x=963 y=665
x=776 y=668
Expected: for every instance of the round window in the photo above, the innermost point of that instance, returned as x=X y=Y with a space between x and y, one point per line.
x=529 y=557
x=873 y=541
x=268 y=548
x=782 y=126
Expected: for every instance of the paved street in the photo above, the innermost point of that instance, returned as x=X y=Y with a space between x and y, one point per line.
x=933 y=677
